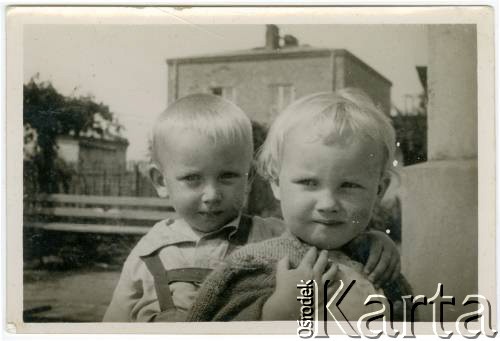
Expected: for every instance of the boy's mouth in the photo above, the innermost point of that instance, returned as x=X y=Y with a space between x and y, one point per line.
x=210 y=214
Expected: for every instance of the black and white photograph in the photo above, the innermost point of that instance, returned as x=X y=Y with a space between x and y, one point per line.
x=187 y=165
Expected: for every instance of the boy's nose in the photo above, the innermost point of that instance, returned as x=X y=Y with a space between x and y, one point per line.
x=211 y=194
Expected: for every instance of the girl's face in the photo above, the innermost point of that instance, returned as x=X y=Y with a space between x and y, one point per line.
x=327 y=191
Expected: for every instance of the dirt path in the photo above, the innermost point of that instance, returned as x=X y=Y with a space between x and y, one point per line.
x=73 y=296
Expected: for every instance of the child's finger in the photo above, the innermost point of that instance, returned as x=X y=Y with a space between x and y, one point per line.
x=397 y=270
x=282 y=265
x=388 y=273
x=330 y=273
x=383 y=275
x=383 y=269
x=320 y=264
x=373 y=258
x=309 y=259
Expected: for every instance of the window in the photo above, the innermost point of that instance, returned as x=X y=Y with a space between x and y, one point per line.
x=217 y=91
x=281 y=96
x=226 y=92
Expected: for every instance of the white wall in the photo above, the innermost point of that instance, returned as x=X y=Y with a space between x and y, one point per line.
x=439 y=199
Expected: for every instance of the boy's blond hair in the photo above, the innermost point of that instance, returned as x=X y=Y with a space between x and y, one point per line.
x=329 y=116
x=209 y=115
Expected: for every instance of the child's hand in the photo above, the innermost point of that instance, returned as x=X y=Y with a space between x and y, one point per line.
x=183 y=294
x=383 y=264
x=283 y=304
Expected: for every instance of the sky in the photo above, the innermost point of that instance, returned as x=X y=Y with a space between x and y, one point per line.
x=124 y=66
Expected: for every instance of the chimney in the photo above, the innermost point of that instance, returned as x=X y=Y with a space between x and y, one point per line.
x=272 y=37
x=290 y=40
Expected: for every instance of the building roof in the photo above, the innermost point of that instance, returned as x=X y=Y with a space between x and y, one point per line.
x=262 y=53
x=255 y=52
x=95 y=137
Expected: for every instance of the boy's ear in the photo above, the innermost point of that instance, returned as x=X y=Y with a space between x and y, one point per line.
x=383 y=185
x=275 y=187
x=158 y=181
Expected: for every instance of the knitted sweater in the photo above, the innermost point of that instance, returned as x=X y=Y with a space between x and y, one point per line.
x=238 y=289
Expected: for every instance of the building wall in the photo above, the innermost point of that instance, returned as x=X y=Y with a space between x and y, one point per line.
x=440 y=197
x=252 y=80
x=68 y=149
x=351 y=72
x=101 y=156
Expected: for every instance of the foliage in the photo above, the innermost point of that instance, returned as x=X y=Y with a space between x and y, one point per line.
x=260 y=200
x=48 y=114
x=387 y=220
x=411 y=133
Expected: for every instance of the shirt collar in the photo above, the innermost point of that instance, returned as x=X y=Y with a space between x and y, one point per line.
x=167 y=233
x=233 y=226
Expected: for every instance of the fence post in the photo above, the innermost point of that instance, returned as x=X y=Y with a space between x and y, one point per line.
x=104 y=181
x=137 y=180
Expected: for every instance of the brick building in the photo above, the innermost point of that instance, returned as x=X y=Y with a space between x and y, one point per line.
x=263 y=80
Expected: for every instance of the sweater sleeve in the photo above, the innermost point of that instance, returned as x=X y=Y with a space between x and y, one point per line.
x=234 y=291
x=253 y=312
x=238 y=289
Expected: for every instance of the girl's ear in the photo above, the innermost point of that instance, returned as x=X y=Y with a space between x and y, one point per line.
x=251 y=175
x=158 y=181
x=275 y=187
x=384 y=183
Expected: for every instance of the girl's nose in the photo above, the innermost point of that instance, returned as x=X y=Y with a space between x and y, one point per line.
x=328 y=202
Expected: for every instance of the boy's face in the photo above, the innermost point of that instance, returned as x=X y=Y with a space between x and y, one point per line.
x=206 y=182
x=327 y=192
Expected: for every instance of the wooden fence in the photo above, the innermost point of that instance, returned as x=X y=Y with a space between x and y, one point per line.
x=134 y=183
x=105 y=183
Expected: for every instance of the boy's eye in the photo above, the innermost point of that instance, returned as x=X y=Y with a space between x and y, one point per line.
x=307 y=182
x=190 y=178
x=351 y=185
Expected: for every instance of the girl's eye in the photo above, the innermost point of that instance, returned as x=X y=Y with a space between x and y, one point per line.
x=351 y=185
x=229 y=176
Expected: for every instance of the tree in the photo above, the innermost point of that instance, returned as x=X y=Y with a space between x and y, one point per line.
x=48 y=114
x=411 y=133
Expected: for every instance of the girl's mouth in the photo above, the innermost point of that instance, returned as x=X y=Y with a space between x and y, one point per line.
x=328 y=222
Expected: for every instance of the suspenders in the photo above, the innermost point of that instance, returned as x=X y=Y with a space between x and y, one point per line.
x=162 y=277
x=155 y=266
